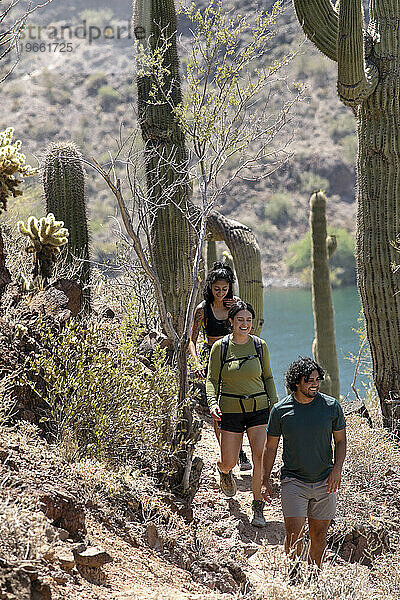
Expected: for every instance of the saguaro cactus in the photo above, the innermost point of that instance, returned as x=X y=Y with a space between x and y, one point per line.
x=173 y=240
x=211 y=254
x=322 y=247
x=369 y=82
x=247 y=260
x=64 y=190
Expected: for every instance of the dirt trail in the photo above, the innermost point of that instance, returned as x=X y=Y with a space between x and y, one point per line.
x=142 y=573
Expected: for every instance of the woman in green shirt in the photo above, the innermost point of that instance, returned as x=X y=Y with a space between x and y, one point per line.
x=240 y=396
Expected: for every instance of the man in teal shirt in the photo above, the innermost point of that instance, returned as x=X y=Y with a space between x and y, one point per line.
x=310 y=476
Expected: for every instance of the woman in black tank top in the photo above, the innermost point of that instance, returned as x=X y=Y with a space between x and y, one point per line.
x=211 y=315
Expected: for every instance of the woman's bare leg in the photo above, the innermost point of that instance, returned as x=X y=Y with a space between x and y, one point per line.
x=257 y=437
x=230 y=445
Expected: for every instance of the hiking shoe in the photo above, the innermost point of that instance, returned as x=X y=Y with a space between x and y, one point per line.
x=226 y=483
x=258 y=519
x=243 y=462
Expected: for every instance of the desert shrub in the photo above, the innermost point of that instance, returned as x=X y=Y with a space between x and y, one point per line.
x=350 y=146
x=108 y=97
x=341 y=128
x=99 y=17
x=279 y=209
x=102 y=400
x=266 y=229
x=311 y=181
x=342 y=263
x=94 y=82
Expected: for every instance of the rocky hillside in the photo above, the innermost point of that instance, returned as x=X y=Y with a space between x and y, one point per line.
x=74 y=82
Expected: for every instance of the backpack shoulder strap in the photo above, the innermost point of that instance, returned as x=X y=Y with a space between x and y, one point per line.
x=224 y=351
x=259 y=351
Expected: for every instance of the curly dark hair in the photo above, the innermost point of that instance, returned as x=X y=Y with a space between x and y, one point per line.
x=219 y=271
x=303 y=367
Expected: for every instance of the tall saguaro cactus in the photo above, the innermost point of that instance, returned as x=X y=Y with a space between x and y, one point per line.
x=247 y=260
x=324 y=345
x=369 y=82
x=173 y=241
x=64 y=190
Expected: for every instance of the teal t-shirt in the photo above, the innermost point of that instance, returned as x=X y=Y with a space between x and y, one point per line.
x=307 y=435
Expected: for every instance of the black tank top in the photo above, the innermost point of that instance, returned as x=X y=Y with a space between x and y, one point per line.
x=214 y=327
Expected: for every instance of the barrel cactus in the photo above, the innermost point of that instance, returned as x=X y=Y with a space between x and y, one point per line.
x=64 y=190
x=245 y=251
x=46 y=237
x=173 y=238
x=322 y=247
x=368 y=61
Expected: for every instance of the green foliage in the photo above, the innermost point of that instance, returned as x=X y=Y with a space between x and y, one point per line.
x=312 y=65
x=12 y=163
x=108 y=97
x=56 y=88
x=102 y=398
x=279 y=209
x=94 y=82
x=342 y=263
x=311 y=181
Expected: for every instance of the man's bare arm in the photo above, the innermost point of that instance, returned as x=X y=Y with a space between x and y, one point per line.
x=335 y=475
x=269 y=455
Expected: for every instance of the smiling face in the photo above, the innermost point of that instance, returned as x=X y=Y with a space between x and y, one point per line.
x=219 y=289
x=309 y=389
x=241 y=323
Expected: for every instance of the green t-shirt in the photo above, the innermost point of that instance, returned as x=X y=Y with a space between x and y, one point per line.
x=307 y=435
x=244 y=381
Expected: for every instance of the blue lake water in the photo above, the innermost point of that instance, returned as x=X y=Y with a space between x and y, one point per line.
x=289 y=331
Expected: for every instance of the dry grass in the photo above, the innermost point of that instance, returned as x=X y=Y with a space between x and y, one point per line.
x=369 y=495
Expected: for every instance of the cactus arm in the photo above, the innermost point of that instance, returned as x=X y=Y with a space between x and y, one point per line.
x=319 y=21
x=247 y=260
x=356 y=79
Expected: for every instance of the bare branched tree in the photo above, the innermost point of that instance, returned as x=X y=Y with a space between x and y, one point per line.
x=231 y=120
x=13 y=17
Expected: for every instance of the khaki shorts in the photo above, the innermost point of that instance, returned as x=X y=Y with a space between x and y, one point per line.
x=300 y=499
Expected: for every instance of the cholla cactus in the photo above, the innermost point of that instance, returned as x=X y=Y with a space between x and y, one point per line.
x=12 y=163
x=46 y=238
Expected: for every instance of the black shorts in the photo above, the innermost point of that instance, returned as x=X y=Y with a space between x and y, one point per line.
x=240 y=422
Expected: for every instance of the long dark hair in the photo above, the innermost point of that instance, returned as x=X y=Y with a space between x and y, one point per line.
x=219 y=271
